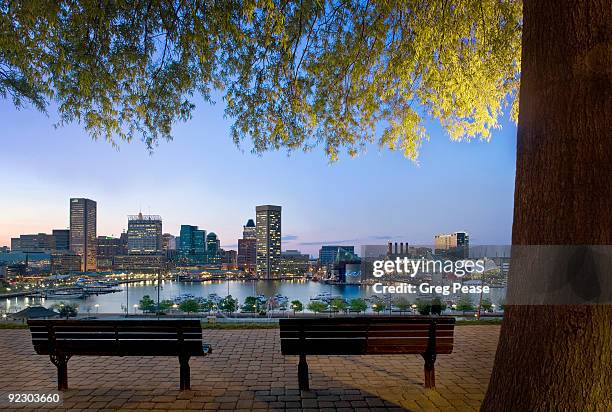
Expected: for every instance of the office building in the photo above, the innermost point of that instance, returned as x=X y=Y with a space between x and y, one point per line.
x=144 y=234
x=328 y=254
x=293 y=262
x=108 y=248
x=213 y=249
x=249 y=231
x=15 y=244
x=83 y=238
x=141 y=263
x=63 y=263
x=247 y=247
x=454 y=244
x=191 y=246
x=268 y=234
x=61 y=238
x=229 y=259
x=33 y=243
x=168 y=242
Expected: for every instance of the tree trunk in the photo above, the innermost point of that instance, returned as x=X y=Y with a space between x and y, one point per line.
x=559 y=357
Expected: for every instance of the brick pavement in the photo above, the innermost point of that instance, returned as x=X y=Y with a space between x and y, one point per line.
x=247 y=372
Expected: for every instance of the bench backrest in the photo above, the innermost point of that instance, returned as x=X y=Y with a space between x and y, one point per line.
x=367 y=335
x=117 y=337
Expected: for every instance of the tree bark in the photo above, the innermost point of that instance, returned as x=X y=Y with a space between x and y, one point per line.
x=559 y=357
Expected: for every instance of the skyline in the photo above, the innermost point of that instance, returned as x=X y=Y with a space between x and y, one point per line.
x=202 y=179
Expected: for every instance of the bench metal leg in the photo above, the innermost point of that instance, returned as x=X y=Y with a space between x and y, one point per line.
x=185 y=374
x=61 y=363
x=429 y=369
x=303 y=374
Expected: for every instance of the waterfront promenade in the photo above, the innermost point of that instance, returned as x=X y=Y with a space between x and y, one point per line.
x=246 y=372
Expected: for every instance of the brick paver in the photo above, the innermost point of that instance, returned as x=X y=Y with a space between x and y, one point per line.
x=247 y=372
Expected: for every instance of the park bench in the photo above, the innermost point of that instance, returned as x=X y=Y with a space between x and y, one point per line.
x=62 y=339
x=427 y=336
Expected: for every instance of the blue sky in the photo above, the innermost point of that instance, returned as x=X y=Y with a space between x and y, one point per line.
x=202 y=178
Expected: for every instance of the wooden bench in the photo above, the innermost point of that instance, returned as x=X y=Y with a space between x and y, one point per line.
x=62 y=339
x=427 y=336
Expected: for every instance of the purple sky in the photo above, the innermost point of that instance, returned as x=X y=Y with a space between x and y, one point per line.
x=202 y=179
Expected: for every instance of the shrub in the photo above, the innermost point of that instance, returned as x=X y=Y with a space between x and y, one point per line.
x=228 y=304
x=146 y=304
x=424 y=307
x=402 y=304
x=465 y=303
x=251 y=304
x=297 y=306
x=338 y=304
x=358 y=305
x=316 y=306
x=378 y=306
x=189 y=306
x=437 y=306
x=66 y=310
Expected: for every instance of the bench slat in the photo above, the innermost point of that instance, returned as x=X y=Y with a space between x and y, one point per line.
x=366 y=335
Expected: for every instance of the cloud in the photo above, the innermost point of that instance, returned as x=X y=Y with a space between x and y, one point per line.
x=233 y=246
x=289 y=237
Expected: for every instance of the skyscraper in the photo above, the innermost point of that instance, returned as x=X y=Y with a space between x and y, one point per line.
x=83 y=240
x=213 y=248
x=268 y=233
x=249 y=231
x=144 y=234
x=247 y=249
x=191 y=245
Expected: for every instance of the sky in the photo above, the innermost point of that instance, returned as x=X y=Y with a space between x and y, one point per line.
x=201 y=178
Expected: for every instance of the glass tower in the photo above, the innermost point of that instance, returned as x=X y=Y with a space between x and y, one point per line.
x=192 y=245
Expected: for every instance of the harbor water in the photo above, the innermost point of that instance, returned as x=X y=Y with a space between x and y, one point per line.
x=130 y=295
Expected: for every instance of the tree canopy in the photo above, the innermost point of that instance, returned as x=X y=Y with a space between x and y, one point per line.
x=293 y=74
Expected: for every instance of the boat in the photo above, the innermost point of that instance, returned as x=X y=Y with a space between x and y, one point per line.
x=68 y=293
x=214 y=298
x=326 y=297
x=184 y=297
x=96 y=287
x=322 y=296
x=280 y=299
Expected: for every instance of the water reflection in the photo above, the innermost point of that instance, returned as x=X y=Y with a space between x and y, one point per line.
x=301 y=290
